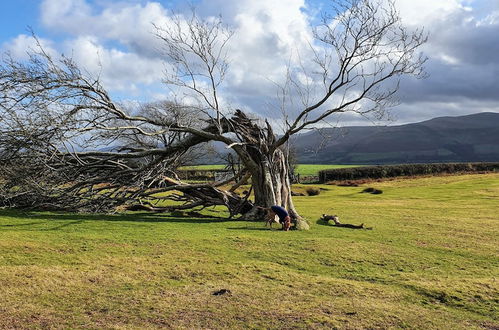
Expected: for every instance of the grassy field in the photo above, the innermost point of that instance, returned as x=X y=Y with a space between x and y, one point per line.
x=313 y=169
x=430 y=262
x=302 y=169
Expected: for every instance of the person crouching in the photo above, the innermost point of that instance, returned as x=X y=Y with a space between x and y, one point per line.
x=283 y=215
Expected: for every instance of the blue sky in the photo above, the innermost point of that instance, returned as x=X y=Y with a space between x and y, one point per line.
x=463 y=47
x=16 y=15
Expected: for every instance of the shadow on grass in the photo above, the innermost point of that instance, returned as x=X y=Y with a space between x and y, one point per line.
x=77 y=222
x=249 y=228
x=323 y=222
x=22 y=224
x=327 y=223
x=77 y=218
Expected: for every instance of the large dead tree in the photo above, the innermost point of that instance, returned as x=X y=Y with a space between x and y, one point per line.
x=65 y=144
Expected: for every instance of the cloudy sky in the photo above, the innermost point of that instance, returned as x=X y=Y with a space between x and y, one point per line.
x=114 y=38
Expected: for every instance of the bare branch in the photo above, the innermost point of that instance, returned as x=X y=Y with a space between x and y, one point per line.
x=359 y=49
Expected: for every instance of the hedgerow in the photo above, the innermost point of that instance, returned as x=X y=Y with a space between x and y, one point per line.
x=388 y=171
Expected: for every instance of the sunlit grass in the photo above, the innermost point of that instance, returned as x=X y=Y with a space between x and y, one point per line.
x=313 y=169
x=302 y=169
x=430 y=262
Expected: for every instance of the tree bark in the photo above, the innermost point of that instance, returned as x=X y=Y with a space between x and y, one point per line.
x=271 y=186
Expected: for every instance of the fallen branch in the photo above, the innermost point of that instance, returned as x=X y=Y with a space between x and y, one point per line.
x=337 y=223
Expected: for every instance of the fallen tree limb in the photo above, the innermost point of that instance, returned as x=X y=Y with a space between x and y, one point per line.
x=337 y=223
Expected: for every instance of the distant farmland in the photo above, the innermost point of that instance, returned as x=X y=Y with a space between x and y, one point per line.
x=301 y=169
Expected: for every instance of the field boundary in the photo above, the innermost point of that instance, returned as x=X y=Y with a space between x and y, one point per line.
x=403 y=170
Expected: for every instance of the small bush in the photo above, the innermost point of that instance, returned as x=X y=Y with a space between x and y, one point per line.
x=373 y=191
x=313 y=191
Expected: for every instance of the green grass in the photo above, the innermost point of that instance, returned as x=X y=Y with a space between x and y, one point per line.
x=431 y=262
x=302 y=169
x=313 y=169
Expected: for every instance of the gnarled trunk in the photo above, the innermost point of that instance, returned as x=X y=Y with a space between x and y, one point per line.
x=268 y=166
x=271 y=186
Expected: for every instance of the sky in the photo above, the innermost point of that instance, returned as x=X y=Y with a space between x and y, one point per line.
x=113 y=38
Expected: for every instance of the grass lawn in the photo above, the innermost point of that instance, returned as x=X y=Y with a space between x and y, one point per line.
x=430 y=262
x=313 y=169
x=302 y=169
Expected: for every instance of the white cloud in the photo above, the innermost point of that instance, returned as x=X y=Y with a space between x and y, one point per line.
x=20 y=47
x=119 y=70
x=129 y=24
x=65 y=13
x=116 y=39
x=490 y=19
x=426 y=12
x=267 y=32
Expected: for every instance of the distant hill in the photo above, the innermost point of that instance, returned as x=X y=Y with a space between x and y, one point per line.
x=471 y=138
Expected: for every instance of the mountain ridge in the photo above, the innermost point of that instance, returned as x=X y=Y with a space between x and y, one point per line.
x=466 y=138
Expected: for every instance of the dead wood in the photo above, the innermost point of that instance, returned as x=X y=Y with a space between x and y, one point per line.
x=337 y=223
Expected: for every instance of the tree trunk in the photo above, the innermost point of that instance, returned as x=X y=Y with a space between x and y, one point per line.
x=271 y=186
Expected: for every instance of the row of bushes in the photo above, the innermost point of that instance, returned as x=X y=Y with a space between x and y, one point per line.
x=388 y=171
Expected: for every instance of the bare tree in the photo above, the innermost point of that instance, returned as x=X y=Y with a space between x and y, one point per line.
x=55 y=118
